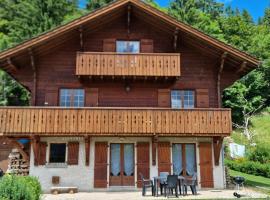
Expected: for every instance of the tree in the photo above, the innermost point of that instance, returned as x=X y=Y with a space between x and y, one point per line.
x=95 y=4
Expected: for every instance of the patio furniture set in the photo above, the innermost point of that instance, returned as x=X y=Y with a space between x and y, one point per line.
x=169 y=184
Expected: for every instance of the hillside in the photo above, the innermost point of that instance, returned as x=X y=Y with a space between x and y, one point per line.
x=261 y=125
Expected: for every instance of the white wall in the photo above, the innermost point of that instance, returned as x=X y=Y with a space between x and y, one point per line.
x=82 y=176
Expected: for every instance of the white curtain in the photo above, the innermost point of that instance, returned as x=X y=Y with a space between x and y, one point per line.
x=177 y=159
x=128 y=159
x=115 y=159
x=190 y=159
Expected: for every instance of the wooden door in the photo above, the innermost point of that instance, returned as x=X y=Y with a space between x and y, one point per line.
x=206 y=165
x=164 y=157
x=122 y=165
x=143 y=161
x=100 y=170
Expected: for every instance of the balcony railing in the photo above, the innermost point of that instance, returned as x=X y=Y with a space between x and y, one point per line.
x=116 y=64
x=27 y=121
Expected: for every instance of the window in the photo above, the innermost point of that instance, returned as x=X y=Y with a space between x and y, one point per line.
x=128 y=46
x=57 y=153
x=184 y=159
x=72 y=97
x=182 y=99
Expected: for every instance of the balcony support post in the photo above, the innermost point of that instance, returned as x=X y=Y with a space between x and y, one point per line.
x=35 y=142
x=223 y=57
x=87 y=140
x=34 y=88
x=154 y=149
x=175 y=39
x=128 y=19
x=81 y=38
x=217 y=146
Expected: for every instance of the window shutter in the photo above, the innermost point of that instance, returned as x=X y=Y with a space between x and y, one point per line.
x=164 y=157
x=143 y=162
x=51 y=98
x=42 y=153
x=73 y=153
x=164 y=98
x=91 y=97
x=100 y=170
x=109 y=45
x=147 y=46
x=202 y=98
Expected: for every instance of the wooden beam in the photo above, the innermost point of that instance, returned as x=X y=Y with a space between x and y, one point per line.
x=154 y=149
x=87 y=141
x=223 y=57
x=175 y=39
x=34 y=88
x=15 y=144
x=35 y=140
x=217 y=144
x=81 y=38
x=128 y=19
x=11 y=64
x=242 y=67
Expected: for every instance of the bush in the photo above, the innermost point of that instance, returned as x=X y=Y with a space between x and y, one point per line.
x=249 y=167
x=19 y=188
x=260 y=154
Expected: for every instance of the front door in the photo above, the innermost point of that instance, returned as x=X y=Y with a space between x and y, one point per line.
x=122 y=165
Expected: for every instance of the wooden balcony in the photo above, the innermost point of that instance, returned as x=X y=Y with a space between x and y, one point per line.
x=53 y=121
x=136 y=65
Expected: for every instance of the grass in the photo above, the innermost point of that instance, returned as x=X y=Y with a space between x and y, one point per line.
x=258 y=182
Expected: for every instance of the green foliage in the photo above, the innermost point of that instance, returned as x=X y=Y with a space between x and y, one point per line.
x=95 y=4
x=249 y=167
x=259 y=154
x=19 y=188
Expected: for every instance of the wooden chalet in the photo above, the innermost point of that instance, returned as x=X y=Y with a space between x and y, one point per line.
x=123 y=90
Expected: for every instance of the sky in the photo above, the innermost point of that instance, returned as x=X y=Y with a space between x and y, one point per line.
x=255 y=7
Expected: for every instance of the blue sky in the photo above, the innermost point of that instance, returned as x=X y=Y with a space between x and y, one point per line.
x=255 y=7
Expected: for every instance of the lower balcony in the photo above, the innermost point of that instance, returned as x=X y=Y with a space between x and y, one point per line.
x=53 y=121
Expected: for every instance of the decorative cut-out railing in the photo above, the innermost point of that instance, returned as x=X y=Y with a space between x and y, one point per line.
x=25 y=121
x=122 y=64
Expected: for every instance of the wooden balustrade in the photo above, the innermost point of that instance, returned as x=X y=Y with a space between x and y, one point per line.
x=122 y=64
x=53 y=121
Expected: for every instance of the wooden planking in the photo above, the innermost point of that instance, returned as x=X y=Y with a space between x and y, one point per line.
x=116 y=64
x=113 y=121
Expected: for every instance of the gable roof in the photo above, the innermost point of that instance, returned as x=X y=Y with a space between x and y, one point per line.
x=251 y=61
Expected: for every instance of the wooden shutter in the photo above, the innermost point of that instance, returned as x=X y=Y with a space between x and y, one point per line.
x=164 y=98
x=143 y=161
x=91 y=97
x=206 y=165
x=164 y=157
x=109 y=45
x=42 y=153
x=51 y=98
x=147 y=46
x=202 y=98
x=73 y=153
x=100 y=170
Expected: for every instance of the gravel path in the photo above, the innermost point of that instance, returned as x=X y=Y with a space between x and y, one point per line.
x=207 y=194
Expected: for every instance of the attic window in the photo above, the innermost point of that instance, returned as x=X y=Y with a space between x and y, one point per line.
x=128 y=46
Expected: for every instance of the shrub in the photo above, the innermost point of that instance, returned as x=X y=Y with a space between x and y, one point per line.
x=249 y=167
x=19 y=188
x=260 y=154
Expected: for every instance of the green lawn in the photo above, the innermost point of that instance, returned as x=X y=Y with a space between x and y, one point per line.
x=258 y=182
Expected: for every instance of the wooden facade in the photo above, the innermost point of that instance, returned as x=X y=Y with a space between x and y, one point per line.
x=114 y=121
x=127 y=98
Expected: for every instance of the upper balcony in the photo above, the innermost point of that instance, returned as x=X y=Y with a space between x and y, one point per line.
x=128 y=65
x=53 y=121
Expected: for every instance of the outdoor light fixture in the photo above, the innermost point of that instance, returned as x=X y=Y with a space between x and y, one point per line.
x=127 y=87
